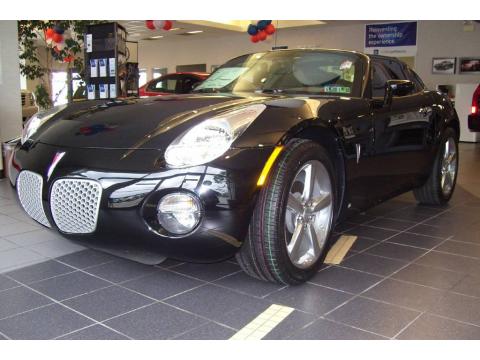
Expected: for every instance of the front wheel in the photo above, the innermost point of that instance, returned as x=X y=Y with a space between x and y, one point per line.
x=291 y=225
x=440 y=186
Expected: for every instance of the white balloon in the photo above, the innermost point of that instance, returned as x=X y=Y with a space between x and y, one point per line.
x=49 y=41
x=60 y=46
x=158 y=24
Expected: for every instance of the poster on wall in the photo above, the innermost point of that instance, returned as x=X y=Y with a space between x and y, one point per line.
x=391 y=39
x=470 y=65
x=443 y=65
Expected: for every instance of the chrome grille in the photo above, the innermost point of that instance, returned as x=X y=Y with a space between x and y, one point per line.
x=29 y=190
x=75 y=204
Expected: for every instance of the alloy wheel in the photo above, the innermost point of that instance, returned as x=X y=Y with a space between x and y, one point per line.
x=449 y=166
x=309 y=214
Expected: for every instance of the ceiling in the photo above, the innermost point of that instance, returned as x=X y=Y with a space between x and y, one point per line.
x=138 y=31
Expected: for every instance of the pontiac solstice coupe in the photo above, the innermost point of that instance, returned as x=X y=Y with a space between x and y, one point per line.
x=260 y=162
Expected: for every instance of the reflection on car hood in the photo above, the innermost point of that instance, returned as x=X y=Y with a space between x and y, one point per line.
x=147 y=123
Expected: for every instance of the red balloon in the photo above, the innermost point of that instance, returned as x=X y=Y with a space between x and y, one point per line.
x=262 y=35
x=168 y=25
x=57 y=38
x=270 y=29
x=149 y=24
x=254 y=38
x=49 y=33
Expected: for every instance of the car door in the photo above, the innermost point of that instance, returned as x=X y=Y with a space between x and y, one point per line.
x=403 y=130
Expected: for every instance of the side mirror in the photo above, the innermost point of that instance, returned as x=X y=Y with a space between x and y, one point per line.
x=397 y=88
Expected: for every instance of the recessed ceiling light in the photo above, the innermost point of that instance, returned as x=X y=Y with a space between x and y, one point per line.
x=156 y=37
x=195 y=32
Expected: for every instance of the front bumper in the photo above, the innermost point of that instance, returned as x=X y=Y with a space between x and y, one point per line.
x=132 y=182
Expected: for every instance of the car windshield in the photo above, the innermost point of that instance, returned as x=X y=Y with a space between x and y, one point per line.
x=289 y=72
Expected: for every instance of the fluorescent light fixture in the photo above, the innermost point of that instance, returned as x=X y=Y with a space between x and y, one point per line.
x=195 y=32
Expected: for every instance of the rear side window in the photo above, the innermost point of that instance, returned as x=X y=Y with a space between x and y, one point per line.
x=167 y=84
x=379 y=80
x=395 y=69
x=419 y=85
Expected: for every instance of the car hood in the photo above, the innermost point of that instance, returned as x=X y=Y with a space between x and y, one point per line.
x=146 y=123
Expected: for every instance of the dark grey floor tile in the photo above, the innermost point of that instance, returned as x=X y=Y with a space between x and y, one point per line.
x=345 y=279
x=86 y=258
x=450 y=262
x=95 y=332
x=310 y=298
x=458 y=307
x=209 y=331
x=20 y=299
x=429 y=276
x=373 y=264
x=40 y=271
x=372 y=232
x=429 y=230
x=248 y=285
x=421 y=241
x=391 y=224
x=45 y=323
x=7 y=245
x=361 y=218
x=207 y=272
x=470 y=285
x=430 y=327
x=470 y=235
x=34 y=237
x=66 y=286
x=362 y=243
x=400 y=293
x=323 y=329
x=344 y=226
x=162 y=284
x=380 y=318
x=211 y=301
x=169 y=263
x=16 y=228
x=295 y=321
x=106 y=303
x=121 y=270
x=460 y=248
x=157 y=321
x=397 y=252
x=2 y=337
x=6 y=283
x=411 y=214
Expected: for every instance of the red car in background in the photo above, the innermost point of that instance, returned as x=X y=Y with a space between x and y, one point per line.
x=176 y=83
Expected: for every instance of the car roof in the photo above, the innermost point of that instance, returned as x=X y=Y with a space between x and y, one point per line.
x=197 y=73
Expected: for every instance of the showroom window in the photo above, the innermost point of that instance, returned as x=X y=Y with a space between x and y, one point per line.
x=157 y=72
x=142 y=77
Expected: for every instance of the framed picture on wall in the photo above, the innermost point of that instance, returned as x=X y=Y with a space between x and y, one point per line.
x=469 y=65
x=444 y=65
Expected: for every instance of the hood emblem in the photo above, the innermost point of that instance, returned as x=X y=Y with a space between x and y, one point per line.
x=56 y=159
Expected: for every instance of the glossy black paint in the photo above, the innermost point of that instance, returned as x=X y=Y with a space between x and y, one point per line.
x=380 y=151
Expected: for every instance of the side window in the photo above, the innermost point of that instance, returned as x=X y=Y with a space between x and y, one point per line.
x=379 y=79
x=164 y=84
x=419 y=85
x=189 y=83
x=395 y=70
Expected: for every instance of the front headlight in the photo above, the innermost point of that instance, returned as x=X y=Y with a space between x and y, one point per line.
x=37 y=120
x=211 y=138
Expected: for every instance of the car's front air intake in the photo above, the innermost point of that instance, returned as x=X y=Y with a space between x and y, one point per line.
x=29 y=189
x=74 y=204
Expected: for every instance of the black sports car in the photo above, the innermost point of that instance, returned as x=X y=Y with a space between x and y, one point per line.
x=260 y=162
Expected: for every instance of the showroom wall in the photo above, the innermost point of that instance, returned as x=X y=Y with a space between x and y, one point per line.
x=435 y=39
x=10 y=101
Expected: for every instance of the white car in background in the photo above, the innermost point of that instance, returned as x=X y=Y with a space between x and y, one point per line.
x=29 y=105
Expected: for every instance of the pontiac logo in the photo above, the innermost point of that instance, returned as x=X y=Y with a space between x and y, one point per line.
x=56 y=159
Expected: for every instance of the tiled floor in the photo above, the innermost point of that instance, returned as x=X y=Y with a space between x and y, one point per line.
x=414 y=273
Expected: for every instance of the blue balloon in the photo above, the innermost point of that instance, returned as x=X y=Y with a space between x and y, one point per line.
x=58 y=29
x=262 y=24
x=252 y=29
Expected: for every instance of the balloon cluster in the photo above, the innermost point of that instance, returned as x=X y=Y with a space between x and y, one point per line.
x=55 y=37
x=261 y=31
x=159 y=24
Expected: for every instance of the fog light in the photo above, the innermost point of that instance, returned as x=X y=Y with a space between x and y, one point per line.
x=178 y=213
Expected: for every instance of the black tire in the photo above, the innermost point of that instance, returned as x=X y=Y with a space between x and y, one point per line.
x=264 y=252
x=431 y=192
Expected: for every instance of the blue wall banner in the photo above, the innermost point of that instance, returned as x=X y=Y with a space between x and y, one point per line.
x=394 y=39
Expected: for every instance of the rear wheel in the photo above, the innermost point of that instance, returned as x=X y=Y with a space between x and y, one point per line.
x=440 y=186
x=291 y=225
